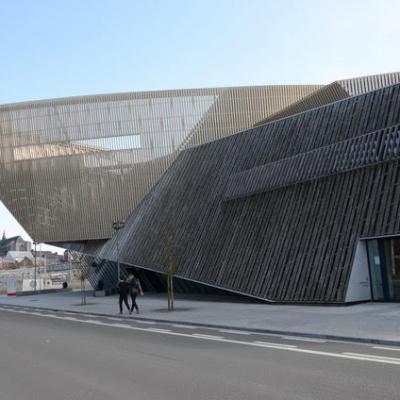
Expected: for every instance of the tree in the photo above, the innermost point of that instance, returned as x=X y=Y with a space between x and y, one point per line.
x=84 y=273
x=171 y=268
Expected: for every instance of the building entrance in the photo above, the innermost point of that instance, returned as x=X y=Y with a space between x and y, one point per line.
x=384 y=266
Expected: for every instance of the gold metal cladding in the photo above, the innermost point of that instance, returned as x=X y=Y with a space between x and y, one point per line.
x=69 y=167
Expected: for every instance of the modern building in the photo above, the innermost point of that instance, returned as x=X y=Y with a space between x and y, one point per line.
x=283 y=193
x=69 y=167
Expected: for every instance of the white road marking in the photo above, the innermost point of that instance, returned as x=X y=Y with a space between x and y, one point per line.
x=281 y=345
x=233 y=331
x=199 y=335
x=144 y=322
x=373 y=356
x=115 y=319
x=184 y=326
x=126 y=326
x=92 y=321
x=89 y=315
x=71 y=319
x=49 y=315
x=158 y=330
x=304 y=339
x=386 y=348
x=350 y=356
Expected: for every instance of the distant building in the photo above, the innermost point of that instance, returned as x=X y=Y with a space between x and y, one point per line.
x=48 y=257
x=67 y=256
x=15 y=243
x=18 y=257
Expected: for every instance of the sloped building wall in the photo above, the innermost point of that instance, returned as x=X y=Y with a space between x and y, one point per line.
x=335 y=91
x=291 y=243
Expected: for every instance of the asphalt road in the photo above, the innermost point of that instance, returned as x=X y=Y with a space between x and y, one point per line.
x=57 y=356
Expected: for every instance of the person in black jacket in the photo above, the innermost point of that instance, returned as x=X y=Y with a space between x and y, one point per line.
x=123 y=287
x=134 y=289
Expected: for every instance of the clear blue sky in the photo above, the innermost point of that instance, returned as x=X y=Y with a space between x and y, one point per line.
x=74 y=47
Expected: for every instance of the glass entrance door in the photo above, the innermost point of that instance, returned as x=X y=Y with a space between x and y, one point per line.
x=384 y=265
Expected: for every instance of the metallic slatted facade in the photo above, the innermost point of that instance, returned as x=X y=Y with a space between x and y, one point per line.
x=68 y=167
x=335 y=91
x=356 y=86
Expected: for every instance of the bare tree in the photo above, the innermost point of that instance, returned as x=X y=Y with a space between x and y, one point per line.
x=84 y=273
x=171 y=268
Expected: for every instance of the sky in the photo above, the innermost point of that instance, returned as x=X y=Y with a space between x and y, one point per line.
x=63 y=48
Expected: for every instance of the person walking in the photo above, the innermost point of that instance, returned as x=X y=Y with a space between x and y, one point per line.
x=123 y=288
x=134 y=289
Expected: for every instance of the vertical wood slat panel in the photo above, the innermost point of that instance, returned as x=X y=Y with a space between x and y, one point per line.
x=291 y=244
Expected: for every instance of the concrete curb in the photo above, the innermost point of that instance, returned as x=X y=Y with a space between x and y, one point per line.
x=229 y=327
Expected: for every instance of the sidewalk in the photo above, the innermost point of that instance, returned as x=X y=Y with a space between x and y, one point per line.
x=371 y=322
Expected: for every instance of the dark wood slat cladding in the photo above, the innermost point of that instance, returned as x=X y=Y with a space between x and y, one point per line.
x=367 y=149
x=292 y=244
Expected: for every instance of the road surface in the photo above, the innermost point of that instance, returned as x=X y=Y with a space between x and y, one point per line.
x=46 y=355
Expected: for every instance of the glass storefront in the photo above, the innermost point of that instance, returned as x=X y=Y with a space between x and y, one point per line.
x=384 y=265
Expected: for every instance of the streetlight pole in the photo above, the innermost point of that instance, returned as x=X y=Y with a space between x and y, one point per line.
x=117 y=225
x=70 y=266
x=118 y=266
x=35 y=243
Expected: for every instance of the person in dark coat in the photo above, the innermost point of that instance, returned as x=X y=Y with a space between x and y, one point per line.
x=123 y=287
x=134 y=289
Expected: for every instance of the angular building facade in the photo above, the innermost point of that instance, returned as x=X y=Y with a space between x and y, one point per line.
x=300 y=206
x=69 y=167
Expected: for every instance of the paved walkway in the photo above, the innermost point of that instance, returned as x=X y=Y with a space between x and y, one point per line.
x=378 y=322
